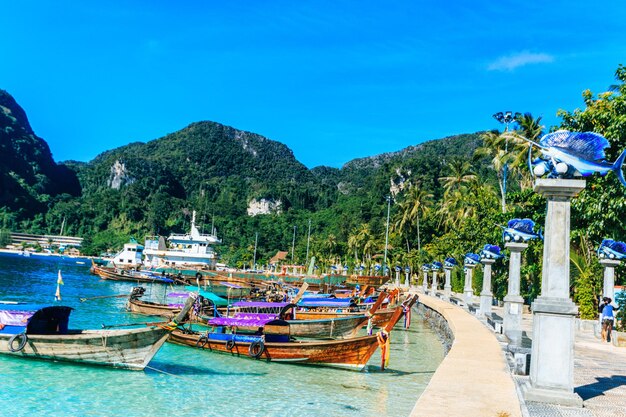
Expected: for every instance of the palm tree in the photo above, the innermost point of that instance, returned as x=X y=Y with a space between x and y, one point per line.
x=531 y=129
x=417 y=202
x=495 y=146
x=453 y=208
x=364 y=235
x=353 y=244
x=460 y=174
x=331 y=245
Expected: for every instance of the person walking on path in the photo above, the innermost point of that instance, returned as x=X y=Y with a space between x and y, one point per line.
x=608 y=317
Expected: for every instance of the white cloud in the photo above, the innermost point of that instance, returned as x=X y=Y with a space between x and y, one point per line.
x=519 y=59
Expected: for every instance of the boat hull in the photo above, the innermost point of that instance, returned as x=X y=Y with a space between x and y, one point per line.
x=128 y=349
x=328 y=328
x=152 y=309
x=130 y=276
x=349 y=353
x=380 y=318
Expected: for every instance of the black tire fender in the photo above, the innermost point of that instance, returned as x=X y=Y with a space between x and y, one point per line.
x=23 y=339
x=230 y=344
x=256 y=349
x=202 y=342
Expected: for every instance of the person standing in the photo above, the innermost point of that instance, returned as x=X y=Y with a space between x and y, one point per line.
x=608 y=318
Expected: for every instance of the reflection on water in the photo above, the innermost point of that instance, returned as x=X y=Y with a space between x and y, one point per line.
x=182 y=381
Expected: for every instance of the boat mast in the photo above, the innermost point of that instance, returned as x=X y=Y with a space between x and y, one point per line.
x=62 y=226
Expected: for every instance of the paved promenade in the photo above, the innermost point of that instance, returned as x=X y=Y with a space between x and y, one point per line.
x=599 y=378
x=474 y=379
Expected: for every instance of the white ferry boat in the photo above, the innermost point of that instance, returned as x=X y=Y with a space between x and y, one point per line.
x=130 y=256
x=189 y=250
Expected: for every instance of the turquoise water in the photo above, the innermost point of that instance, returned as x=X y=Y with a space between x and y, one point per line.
x=182 y=381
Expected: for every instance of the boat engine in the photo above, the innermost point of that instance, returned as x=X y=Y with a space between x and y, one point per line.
x=137 y=293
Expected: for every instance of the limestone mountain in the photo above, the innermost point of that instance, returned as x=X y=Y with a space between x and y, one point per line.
x=228 y=176
x=29 y=177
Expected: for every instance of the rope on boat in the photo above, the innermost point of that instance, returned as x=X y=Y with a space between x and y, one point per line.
x=384 y=341
x=168 y=374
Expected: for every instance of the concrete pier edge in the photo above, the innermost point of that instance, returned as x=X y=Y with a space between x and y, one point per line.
x=474 y=378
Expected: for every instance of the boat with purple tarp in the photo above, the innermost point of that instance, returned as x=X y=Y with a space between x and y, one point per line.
x=325 y=328
x=272 y=341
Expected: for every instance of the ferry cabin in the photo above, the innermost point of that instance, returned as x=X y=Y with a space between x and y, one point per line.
x=130 y=256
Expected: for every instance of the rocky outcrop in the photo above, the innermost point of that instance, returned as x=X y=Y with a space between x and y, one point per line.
x=119 y=176
x=264 y=206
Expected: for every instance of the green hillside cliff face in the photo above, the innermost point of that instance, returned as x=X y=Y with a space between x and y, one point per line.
x=29 y=177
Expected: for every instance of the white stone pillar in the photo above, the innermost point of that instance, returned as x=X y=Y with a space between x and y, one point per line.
x=407 y=280
x=608 y=290
x=447 y=287
x=433 y=288
x=397 y=279
x=513 y=302
x=552 y=358
x=468 y=291
x=486 y=296
x=425 y=283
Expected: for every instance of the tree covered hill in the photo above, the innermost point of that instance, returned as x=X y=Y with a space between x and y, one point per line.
x=29 y=177
x=217 y=170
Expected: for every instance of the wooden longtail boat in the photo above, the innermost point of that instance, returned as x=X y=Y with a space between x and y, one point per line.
x=115 y=274
x=380 y=316
x=274 y=345
x=150 y=308
x=322 y=328
x=42 y=332
x=332 y=328
x=328 y=328
x=372 y=280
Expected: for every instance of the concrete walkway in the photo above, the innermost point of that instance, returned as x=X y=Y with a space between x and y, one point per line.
x=474 y=378
x=599 y=378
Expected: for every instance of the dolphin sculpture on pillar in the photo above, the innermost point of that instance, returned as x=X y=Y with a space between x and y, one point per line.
x=612 y=249
x=568 y=154
x=520 y=230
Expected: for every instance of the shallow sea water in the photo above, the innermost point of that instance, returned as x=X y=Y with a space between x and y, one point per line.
x=183 y=381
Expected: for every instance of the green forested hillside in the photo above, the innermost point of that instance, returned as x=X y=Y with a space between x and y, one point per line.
x=29 y=178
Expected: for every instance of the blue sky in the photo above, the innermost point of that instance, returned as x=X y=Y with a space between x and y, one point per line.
x=334 y=80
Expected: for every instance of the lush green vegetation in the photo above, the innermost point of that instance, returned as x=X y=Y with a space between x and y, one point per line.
x=446 y=197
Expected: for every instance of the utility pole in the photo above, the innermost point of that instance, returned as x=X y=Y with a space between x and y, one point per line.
x=308 y=241
x=256 y=239
x=387 y=233
x=506 y=118
x=62 y=226
x=293 y=244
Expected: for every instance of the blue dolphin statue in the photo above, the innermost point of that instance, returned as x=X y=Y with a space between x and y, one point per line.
x=612 y=249
x=564 y=153
x=491 y=252
x=520 y=230
x=471 y=259
x=450 y=262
